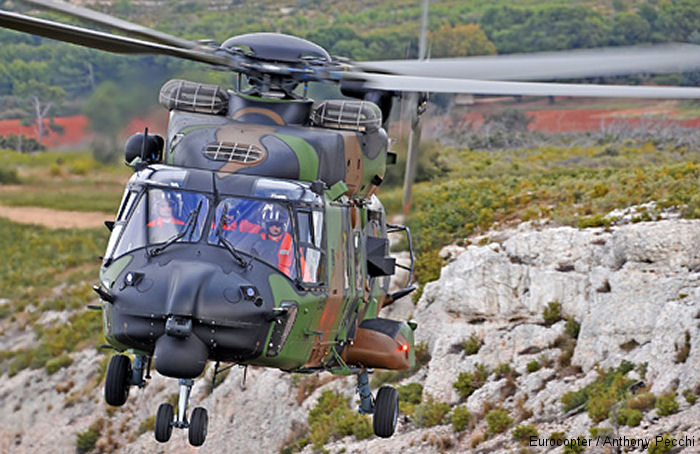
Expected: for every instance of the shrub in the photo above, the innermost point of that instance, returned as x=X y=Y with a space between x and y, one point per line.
x=430 y=412
x=690 y=397
x=661 y=446
x=533 y=366
x=666 y=404
x=8 y=176
x=472 y=345
x=498 y=421
x=55 y=364
x=503 y=370
x=409 y=396
x=572 y=327
x=333 y=418
x=552 y=313
x=642 y=402
x=629 y=417
x=460 y=418
x=574 y=399
x=524 y=433
x=468 y=382
x=85 y=441
x=557 y=437
x=578 y=445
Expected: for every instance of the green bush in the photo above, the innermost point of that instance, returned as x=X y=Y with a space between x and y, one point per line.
x=55 y=364
x=572 y=327
x=409 y=396
x=690 y=397
x=533 y=366
x=498 y=421
x=468 y=382
x=611 y=386
x=666 y=404
x=642 y=402
x=8 y=176
x=661 y=446
x=332 y=418
x=472 y=345
x=503 y=370
x=629 y=417
x=430 y=412
x=552 y=313
x=523 y=434
x=85 y=441
x=460 y=418
x=578 y=446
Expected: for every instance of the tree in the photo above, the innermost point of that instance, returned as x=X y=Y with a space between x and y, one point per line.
x=460 y=41
x=39 y=99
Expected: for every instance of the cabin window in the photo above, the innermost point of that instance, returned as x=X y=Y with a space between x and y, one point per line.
x=311 y=256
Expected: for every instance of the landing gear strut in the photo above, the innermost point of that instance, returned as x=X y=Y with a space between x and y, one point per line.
x=384 y=409
x=121 y=376
x=197 y=426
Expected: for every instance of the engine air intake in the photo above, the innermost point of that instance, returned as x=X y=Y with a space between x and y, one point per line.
x=234 y=152
x=193 y=97
x=342 y=114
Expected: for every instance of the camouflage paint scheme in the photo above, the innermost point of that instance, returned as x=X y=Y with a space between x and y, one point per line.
x=201 y=282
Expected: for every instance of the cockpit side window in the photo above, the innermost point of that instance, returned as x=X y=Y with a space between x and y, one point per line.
x=311 y=256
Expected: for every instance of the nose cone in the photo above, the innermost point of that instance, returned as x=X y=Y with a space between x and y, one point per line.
x=179 y=357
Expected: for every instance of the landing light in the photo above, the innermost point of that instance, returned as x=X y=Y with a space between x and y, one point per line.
x=404 y=348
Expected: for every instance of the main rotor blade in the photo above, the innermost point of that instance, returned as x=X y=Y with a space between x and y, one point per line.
x=670 y=58
x=103 y=41
x=114 y=22
x=486 y=87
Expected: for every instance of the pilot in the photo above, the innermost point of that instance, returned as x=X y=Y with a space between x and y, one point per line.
x=164 y=218
x=233 y=222
x=275 y=243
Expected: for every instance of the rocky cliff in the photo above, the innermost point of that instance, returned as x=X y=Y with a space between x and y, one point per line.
x=536 y=330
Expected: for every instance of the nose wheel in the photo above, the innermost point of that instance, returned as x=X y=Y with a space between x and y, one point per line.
x=196 y=426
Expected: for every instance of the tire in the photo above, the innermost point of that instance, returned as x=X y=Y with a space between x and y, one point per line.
x=164 y=423
x=198 y=427
x=386 y=412
x=117 y=381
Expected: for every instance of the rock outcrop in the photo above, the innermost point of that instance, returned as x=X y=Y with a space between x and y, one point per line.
x=633 y=291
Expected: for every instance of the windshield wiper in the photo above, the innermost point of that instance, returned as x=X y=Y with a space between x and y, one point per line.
x=188 y=225
x=229 y=247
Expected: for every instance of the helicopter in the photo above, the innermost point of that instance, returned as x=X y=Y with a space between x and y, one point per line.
x=252 y=234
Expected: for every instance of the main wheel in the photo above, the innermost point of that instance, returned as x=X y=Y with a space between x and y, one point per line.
x=164 y=423
x=117 y=382
x=386 y=412
x=198 y=426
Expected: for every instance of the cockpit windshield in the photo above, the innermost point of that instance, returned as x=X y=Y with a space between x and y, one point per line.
x=277 y=229
x=264 y=230
x=161 y=215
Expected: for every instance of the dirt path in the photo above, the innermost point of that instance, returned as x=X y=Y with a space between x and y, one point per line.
x=55 y=219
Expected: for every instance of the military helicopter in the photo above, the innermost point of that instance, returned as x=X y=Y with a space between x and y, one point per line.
x=252 y=235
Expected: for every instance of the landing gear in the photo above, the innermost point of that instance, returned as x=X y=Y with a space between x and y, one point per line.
x=164 y=423
x=118 y=380
x=386 y=412
x=197 y=426
x=121 y=376
x=384 y=409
